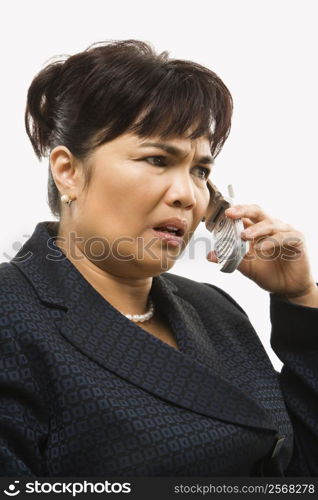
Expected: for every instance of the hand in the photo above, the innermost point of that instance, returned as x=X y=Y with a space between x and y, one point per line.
x=277 y=260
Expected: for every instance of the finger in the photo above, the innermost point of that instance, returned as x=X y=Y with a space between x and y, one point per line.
x=253 y=212
x=291 y=241
x=247 y=222
x=212 y=256
x=265 y=228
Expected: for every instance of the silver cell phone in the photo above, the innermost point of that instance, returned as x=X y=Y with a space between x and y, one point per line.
x=228 y=244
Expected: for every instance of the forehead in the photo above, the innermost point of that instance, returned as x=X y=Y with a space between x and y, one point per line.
x=180 y=146
x=175 y=144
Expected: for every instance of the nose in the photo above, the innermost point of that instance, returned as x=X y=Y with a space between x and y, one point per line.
x=182 y=192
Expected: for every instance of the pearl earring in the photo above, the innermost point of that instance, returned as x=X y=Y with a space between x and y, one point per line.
x=65 y=198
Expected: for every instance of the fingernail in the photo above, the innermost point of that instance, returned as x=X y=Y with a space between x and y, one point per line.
x=233 y=210
x=247 y=233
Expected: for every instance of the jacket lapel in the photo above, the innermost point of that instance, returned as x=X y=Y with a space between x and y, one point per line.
x=190 y=378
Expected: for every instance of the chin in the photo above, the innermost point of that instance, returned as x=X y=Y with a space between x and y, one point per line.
x=155 y=268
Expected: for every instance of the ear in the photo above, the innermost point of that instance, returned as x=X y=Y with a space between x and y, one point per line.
x=65 y=171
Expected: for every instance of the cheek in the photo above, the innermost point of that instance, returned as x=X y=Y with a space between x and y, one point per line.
x=121 y=183
x=203 y=199
x=107 y=192
x=205 y=202
x=117 y=204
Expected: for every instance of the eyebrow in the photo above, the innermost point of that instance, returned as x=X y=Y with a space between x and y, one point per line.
x=173 y=150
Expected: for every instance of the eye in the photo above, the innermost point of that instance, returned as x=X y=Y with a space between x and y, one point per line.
x=157 y=161
x=162 y=161
x=206 y=172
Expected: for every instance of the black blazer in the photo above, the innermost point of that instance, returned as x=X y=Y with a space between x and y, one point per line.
x=86 y=392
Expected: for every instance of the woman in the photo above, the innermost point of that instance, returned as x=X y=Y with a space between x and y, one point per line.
x=185 y=388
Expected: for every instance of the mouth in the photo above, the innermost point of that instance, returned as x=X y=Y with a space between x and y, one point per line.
x=174 y=226
x=169 y=230
x=168 y=237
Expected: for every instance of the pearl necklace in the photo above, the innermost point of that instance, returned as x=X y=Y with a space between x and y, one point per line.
x=140 y=318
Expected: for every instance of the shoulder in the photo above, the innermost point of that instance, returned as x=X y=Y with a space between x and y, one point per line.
x=18 y=299
x=11 y=281
x=196 y=291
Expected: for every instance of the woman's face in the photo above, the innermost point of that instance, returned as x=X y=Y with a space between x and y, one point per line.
x=134 y=187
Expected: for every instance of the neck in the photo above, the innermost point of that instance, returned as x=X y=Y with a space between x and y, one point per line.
x=127 y=294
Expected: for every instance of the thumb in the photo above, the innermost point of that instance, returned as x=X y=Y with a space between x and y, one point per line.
x=212 y=256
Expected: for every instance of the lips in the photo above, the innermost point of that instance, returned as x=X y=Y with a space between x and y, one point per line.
x=169 y=238
x=174 y=226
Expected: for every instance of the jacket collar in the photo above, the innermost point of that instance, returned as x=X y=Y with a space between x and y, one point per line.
x=190 y=378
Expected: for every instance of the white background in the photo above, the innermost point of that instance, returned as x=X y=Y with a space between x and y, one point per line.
x=266 y=53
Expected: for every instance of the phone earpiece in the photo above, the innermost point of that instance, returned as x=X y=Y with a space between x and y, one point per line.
x=228 y=244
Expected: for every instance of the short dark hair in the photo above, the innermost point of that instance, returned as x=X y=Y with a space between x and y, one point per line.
x=90 y=98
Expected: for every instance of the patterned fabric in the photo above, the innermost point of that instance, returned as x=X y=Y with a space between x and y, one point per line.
x=87 y=392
